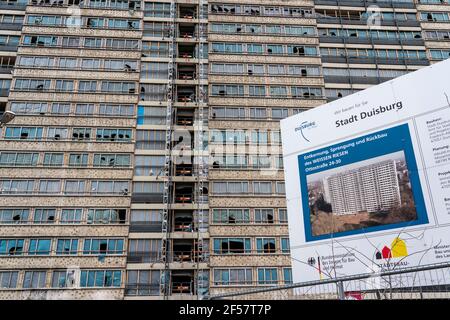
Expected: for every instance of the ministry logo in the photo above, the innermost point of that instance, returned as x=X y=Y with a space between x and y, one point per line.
x=304 y=126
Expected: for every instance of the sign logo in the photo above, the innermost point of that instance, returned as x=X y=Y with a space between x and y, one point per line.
x=305 y=125
x=311 y=261
x=398 y=249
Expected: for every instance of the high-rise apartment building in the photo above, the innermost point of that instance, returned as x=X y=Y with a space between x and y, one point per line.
x=144 y=161
x=370 y=188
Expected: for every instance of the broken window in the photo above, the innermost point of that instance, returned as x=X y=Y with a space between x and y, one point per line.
x=265 y=245
x=264 y=216
x=232 y=245
x=103 y=246
x=44 y=215
x=11 y=246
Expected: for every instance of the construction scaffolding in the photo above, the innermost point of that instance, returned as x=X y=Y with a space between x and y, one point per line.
x=167 y=176
x=198 y=196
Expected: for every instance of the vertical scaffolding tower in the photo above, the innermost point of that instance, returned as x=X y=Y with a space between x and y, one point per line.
x=167 y=190
x=200 y=172
x=202 y=165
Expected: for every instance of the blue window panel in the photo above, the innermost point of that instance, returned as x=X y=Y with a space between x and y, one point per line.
x=140 y=115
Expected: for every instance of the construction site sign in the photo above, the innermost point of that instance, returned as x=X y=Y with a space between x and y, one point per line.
x=368 y=179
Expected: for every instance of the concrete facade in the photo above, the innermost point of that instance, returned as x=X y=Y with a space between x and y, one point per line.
x=84 y=160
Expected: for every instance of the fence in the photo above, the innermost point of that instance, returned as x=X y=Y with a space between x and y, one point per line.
x=422 y=282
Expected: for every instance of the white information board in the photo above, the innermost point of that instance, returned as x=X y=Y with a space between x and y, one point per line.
x=368 y=178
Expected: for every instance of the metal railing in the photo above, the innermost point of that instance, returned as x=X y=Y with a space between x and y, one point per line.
x=420 y=282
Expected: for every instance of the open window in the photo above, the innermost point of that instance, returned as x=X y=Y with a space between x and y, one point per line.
x=182 y=282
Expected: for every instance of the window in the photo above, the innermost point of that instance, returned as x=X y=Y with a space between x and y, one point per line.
x=146 y=217
x=264 y=216
x=29 y=107
x=103 y=246
x=61 y=279
x=267 y=276
x=14 y=215
x=53 y=159
x=227 y=90
x=69 y=216
x=262 y=187
x=60 y=108
x=265 y=245
x=154 y=70
x=112 y=160
x=67 y=246
x=143 y=282
x=41 y=62
x=231 y=187
x=231 y=277
x=92 y=42
x=74 y=187
x=228 y=112
x=282 y=215
x=255 y=69
x=18 y=159
x=231 y=215
x=8 y=279
x=155 y=49
x=90 y=64
x=44 y=215
x=144 y=250
x=106 y=216
x=95 y=22
x=42 y=41
x=64 y=85
x=57 y=133
x=227 y=47
x=158 y=9
x=285 y=248
x=123 y=23
x=257 y=91
x=126 y=44
x=259 y=137
x=113 y=134
x=275 y=69
x=34 y=279
x=278 y=91
x=109 y=187
x=78 y=159
x=118 y=87
x=253 y=48
x=87 y=86
x=50 y=186
x=258 y=113
x=67 y=63
x=287 y=275
x=279 y=113
x=261 y=161
x=305 y=92
x=23 y=133
x=274 y=49
x=149 y=165
x=232 y=245
x=150 y=139
x=81 y=134
x=11 y=246
x=16 y=186
x=116 y=110
x=100 y=278
x=39 y=247
x=280 y=188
